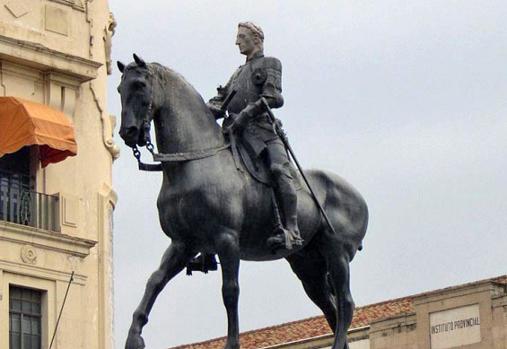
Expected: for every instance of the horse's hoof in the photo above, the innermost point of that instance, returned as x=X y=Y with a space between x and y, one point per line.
x=135 y=342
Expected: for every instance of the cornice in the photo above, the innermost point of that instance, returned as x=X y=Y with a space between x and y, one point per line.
x=47 y=59
x=40 y=272
x=75 y=4
x=46 y=240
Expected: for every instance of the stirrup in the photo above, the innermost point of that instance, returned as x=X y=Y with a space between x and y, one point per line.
x=203 y=263
x=284 y=239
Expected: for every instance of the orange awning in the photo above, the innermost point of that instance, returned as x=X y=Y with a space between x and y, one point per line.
x=25 y=123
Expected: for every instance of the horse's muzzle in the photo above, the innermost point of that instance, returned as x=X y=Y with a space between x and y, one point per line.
x=130 y=135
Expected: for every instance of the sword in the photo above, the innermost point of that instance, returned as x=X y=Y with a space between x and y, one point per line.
x=232 y=137
x=285 y=141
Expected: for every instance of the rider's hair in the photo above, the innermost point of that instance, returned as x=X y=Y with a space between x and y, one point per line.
x=255 y=30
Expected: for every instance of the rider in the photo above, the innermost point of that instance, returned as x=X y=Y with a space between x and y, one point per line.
x=261 y=77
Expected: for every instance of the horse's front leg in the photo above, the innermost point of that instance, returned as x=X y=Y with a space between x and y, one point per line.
x=173 y=261
x=227 y=244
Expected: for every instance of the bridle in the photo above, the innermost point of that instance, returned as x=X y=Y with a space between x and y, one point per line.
x=147 y=138
x=151 y=148
x=167 y=157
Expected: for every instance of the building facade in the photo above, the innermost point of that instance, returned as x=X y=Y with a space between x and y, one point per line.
x=56 y=155
x=469 y=316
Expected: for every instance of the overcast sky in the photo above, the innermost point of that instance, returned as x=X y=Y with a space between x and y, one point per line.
x=405 y=99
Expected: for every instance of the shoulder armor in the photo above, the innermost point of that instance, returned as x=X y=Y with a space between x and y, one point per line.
x=273 y=63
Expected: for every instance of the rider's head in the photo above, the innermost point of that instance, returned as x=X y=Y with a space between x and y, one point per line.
x=250 y=39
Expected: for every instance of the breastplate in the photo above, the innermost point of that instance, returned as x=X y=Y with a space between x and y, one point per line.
x=246 y=91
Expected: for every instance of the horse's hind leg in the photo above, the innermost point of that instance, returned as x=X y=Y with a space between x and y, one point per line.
x=310 y=268
x=173 y=261
x=227 y=245
x=338 y=261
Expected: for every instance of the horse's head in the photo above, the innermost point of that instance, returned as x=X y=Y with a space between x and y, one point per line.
x=136 y=102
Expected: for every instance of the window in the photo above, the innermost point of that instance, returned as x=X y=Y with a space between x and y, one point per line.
x=15 y=186
x=18 y=162
x=24 y=318
x=19 y=202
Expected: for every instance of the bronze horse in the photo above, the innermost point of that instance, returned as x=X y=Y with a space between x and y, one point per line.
x=207 y=206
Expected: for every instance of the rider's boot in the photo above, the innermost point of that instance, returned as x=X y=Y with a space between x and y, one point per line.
x=286 y=237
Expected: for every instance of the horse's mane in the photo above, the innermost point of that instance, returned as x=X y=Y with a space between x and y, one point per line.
x=168 y=77
x=163 y=73
x=173 y=83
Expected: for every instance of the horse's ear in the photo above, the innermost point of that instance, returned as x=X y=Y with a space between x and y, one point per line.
x=140 y=62
x=121 y=66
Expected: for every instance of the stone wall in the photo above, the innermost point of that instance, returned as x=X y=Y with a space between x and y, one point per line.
x=56 y=53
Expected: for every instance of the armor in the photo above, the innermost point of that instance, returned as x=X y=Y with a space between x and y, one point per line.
x=262 y=77
x=259 y=77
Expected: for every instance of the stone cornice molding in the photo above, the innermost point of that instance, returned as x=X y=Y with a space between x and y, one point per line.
x=484 y=286
x=75 y=4
x=39 y=272
x=394 y=322
x=108 y=193
x=45 y=240
x=46 y=59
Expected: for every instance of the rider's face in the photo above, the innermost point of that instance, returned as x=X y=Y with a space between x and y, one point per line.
x=245 y=41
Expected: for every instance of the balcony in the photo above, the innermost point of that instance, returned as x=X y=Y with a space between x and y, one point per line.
x=21 y=205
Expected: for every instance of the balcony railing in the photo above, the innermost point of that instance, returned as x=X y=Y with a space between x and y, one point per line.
x=19 y=204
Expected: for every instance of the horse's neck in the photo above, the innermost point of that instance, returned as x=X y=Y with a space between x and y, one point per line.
x=183 y=122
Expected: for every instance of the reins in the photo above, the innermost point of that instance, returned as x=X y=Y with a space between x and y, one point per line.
x=169 y=157
x=173 y=157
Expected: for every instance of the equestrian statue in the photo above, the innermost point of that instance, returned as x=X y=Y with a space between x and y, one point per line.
x=232 y=191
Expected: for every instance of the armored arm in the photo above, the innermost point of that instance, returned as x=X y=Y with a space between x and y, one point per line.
x=272 y=88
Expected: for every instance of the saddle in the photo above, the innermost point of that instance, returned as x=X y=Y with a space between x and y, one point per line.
x=247 y=153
